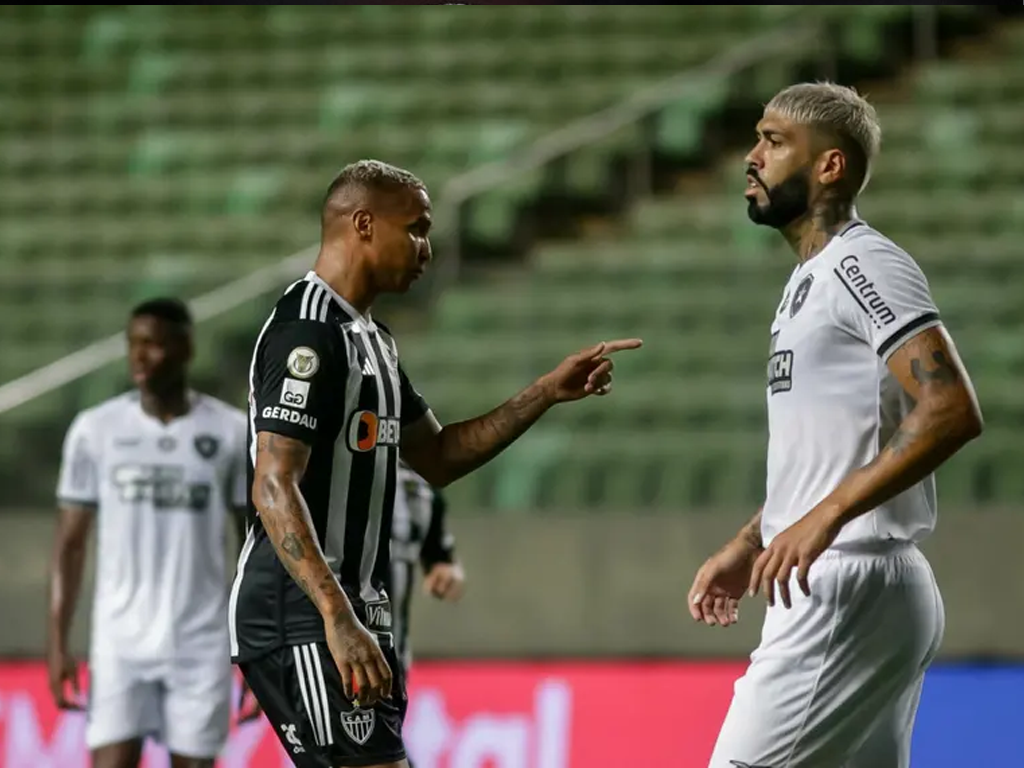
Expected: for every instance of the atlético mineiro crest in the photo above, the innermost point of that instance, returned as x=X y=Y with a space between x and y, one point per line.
x=358 y=724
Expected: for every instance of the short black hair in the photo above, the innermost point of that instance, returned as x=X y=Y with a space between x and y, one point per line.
x=372 y=176
x=171 y=309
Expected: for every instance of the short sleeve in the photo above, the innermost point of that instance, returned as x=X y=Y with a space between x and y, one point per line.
x=240 y=464
x=78 y=480
x=414 y=406
x=883 y=298
x=301 y=370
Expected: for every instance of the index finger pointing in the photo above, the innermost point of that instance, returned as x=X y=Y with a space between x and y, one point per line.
x=621 y=344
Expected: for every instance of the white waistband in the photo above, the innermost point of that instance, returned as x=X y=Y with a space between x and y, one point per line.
x=874 y=548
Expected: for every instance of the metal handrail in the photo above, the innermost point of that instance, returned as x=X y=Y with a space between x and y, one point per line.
x=587 y=131
x=460 y=189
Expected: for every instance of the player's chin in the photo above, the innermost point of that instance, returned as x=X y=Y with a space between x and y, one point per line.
x=756 y=212
x=409 y=279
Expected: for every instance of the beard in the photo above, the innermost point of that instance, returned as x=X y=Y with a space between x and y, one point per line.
x=787 y=201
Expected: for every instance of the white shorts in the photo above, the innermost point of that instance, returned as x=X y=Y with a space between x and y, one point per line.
x=836 y=680
x=183 y=704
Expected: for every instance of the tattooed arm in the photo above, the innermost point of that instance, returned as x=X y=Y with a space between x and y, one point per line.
x=280 y=465
x=945 y=417
x=442 y=455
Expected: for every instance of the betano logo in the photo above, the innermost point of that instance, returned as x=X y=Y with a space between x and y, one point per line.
x=367 y=431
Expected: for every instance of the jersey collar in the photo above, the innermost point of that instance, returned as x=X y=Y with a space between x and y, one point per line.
x=191 y=395
x=364 y=320
x=853 y=224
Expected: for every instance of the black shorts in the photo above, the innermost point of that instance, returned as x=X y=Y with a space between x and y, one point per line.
x=300 y=692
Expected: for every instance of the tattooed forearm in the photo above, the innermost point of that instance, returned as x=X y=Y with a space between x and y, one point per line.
x=268 y=489
x=292 y=544
x=901 y=439
x=943 y=371
x=294 y=547
x=944 y=417
x=924 y=440
x=280 y=462
x=467 y=445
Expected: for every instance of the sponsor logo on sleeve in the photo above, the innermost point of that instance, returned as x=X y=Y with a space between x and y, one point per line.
x=864 y=292
x=294 y=393
x=278 y=413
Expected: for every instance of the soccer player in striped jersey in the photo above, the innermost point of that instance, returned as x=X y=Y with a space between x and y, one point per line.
x=420 y=538
x=866 y=398
x=330 y=410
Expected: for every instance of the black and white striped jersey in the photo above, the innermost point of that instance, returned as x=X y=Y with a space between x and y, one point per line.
x=330 y=377
x=419 y=536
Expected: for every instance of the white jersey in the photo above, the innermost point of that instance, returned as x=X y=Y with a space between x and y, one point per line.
x=832 y=402
x=162 y=494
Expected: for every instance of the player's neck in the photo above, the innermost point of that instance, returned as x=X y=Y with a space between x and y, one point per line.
x=165 y=406
x=347 y=280
x=809 y=234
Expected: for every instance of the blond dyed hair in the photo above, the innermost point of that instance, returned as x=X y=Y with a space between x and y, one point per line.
x=839 y=112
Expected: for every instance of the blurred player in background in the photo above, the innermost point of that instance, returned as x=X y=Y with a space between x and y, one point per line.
x=160 y=470
x=420 y=537
x=330 y=407
x=867 y=397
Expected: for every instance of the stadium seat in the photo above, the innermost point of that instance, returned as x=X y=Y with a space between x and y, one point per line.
x=157 y=149
x=686 y=266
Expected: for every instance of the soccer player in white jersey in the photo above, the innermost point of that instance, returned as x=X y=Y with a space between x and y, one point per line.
x=867 y=397
x=160 y=470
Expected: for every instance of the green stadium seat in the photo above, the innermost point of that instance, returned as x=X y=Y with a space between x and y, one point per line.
x=160 y=148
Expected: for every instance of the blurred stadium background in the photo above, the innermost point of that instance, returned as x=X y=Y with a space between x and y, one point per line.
x=584 y=161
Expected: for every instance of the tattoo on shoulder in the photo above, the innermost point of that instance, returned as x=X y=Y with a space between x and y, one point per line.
x=943 y=372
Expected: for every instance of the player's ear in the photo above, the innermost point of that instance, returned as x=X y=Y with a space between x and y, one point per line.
x=831 y=167
x=362 y=222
